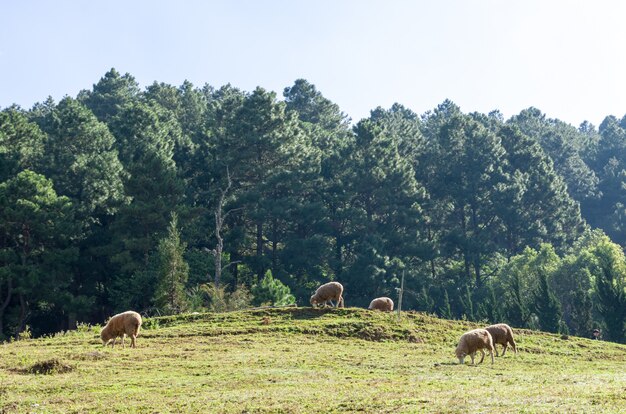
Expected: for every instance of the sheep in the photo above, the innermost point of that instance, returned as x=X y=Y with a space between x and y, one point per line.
x=472 y=341
x=502 y=334
x=383 y=304
x=328 y=292
x=122 y=324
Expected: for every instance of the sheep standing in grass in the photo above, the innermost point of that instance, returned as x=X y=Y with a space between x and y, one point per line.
x=472 y=341
x=328 y=292
x=122 y=324
x=502 y=334
x=382 y=304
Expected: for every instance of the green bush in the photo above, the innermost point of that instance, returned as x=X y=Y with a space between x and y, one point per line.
x=271 y=292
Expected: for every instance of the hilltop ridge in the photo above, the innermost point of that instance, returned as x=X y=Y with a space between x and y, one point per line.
x=300 y=360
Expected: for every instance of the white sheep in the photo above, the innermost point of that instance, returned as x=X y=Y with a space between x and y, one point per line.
x=472 y=341
x=382 y=303
x=328 y=292
x=122 y=324
x=502 y=334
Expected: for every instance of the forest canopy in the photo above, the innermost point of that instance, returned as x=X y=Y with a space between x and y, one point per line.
x=181 y=198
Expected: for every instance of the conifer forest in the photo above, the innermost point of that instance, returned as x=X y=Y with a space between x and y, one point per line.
x=183 y=198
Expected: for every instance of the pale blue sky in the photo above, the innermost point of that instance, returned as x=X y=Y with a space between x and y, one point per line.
x=565 y=57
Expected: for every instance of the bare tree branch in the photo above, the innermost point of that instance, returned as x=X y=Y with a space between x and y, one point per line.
x=220 y=217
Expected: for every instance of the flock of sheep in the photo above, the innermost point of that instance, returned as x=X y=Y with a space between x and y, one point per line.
x=487 y=338
x=333 y=291
x=470 y=342
x=129 y=323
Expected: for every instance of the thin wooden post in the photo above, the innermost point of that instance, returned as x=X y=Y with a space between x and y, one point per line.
x=400 y=295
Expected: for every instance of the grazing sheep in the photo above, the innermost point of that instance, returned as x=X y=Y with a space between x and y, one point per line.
x=382 y=304
x=328 y=292
x=502 y=334
x=122 y=324
x=472 y=341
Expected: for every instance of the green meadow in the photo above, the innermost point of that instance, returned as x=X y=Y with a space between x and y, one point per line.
x=303 y=360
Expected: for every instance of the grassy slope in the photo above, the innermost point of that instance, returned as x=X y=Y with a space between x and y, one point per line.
x=305 y=360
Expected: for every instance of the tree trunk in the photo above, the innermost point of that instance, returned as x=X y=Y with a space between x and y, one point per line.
x=22 y=318
x=71 y=320
x=219 y=247
x=236 y=258
x=477 y=270
x=476 y=254
x=433 y=269
x=5 y=304
x=220 y=216
x=259 y=247
x=274 y=243
x=338 y=255
x=466 y=253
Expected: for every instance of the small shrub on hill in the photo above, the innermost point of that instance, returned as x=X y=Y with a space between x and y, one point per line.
x=271 y=292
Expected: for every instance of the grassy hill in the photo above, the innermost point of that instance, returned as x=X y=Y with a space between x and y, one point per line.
x=303 y=361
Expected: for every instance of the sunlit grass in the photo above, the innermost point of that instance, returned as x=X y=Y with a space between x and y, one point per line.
x=304 y=360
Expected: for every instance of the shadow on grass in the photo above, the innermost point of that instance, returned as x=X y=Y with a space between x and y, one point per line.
x=450 y=364
x=51 y=366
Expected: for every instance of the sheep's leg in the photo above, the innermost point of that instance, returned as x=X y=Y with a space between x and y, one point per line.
x=504 y=350
x=483 y=356
x=132 y=341
x=332 y=305
x=513 y=346
x=123 y=337
x=491 y=353
x=472 y=356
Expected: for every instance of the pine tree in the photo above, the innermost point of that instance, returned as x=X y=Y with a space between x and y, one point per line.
x=446 y=310
x=547 y=306
x=172 y=272
x=611 y=290
x=37 y=233
x=110 y=94
x=517 y=313
x=461 y=167
x=21 y=143
x=316 y=241
x=146 y=148
x=270 y=163
x=81 y=160
x=582 y=311
x=270 y=291
x=565 y=145
x=467 y=301
x=384 y=212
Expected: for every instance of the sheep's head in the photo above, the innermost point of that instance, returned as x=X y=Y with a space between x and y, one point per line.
x=104 y=337
x=460 y=354
x=461 y=358
x=313 y=301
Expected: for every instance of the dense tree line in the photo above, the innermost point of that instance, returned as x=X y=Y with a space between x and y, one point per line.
x=181 y=198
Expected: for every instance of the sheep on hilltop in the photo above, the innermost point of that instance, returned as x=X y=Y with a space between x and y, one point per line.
x=382 y=304
x=327 y=293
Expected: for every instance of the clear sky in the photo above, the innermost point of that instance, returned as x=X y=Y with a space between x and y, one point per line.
x=565 y=57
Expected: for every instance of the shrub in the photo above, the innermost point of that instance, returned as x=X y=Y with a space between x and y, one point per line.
x=272 y=292
x=218 y=299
